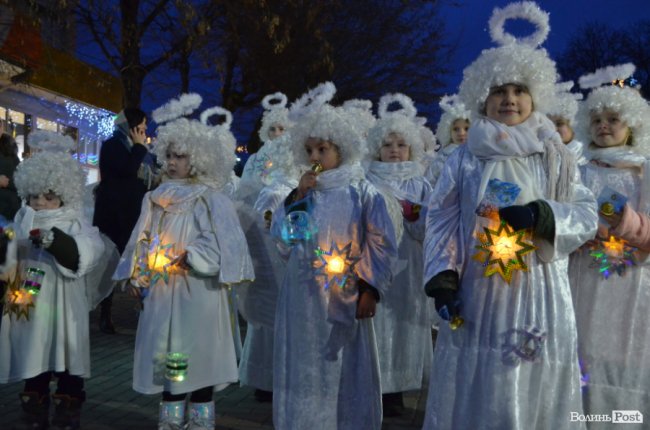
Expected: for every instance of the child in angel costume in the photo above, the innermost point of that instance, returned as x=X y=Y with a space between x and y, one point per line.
x=563 y=113
x=273 y=174
x=342 y=244
x=185 y=251
x=610 y=275
x=403 y=321
x=57 y=280
x=505 y=214
x=451 y=133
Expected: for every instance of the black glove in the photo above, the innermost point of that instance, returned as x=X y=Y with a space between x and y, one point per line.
x=443 y=288
x=64 y=249
x=518 y=217
x=363 y=286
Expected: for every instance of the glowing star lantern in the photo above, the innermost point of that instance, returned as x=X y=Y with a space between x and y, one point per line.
x=18 y=301
x=336 y=266
x=613 y=256
x=501 y=251
x=155 y=260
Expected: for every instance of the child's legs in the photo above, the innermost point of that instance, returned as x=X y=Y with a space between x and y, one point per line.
x=201 y=395
x=39 y=384
x=70 y=385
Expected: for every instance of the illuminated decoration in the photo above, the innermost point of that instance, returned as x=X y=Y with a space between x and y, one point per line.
x=176 y=365
x=523 y=344
x=335 y=266
x=18 y=301
x=156 y=260
x=33 y=280
x=298 y=226
x=263 y=165
x=101 y=118
x=241 y=149
x=629 y=82
x=612 y=256
x=7 y=232
x=501 y=251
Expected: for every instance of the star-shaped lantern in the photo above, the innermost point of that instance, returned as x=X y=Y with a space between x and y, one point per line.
x=613 y=256
x=335 y=265
x=157 y=260
x=501 y=251
x=18 y=300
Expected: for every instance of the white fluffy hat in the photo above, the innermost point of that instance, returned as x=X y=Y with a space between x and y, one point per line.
x=401 y=121
x=315 y=117
x=627 y=102
x=452 y=109
x=566 y=102
x=516 y=61
x=211 y=148
x=51 y=169
x=275 y=112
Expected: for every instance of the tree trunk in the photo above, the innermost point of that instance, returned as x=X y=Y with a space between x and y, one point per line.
x=132 y=72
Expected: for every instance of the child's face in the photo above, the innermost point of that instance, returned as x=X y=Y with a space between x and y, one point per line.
x=324 y=152
x=510 y=104
x=44 y=201
x=459 y=131
x=607 y=129
x=178 y=165
x=563 y=128
x=276 y=130
x=394 y=149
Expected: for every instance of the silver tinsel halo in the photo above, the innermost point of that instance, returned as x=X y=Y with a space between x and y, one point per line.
x=179 y=107
x=628 y=103
x=46 y=140
x=606 y=75
x=211 y=148
x=527 y=10
x=51 y=171
x=331 y=124
x=452 y=109
x=311 y=101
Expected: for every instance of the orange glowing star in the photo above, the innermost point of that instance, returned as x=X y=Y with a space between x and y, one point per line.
x=501 y=251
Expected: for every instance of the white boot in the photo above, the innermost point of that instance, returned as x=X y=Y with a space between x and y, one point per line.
x=201 y=416
x=172 y=415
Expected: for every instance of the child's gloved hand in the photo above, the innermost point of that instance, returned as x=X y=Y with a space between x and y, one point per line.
x=443 y=288
x=411 y=211
x=518 y=217
x=62 y=247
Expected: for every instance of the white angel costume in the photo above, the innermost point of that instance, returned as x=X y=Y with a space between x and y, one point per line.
x=186 y=311
x=326 y=372
x=403 y=319
x=55 y=335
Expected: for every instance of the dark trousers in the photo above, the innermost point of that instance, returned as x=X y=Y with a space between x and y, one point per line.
x=202 y=395
x=68 y=384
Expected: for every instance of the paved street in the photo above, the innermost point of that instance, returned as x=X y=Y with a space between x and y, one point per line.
x=112 y=404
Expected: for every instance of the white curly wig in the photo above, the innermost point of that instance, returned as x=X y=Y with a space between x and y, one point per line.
x=401 y=121
x=361 y=116
x=274 y=113
x=428 y=137
x=51 y=171
x=516 y=62
x=46 y=140
x=566 y=102
x=316 y=118
x=452 y=109
x=211 y=148
x=628 y=103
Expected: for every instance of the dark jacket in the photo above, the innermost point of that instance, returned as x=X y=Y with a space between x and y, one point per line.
x=119 y=194
x=9 y=200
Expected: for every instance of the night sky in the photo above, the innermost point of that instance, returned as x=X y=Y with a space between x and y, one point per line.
x=467 y=24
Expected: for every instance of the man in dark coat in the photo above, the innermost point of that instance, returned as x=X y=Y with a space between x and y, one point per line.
x=126 y=174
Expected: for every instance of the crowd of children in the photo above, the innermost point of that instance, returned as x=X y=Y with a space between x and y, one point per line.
x=529 y=227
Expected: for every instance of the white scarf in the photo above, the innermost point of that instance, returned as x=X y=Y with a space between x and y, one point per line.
x=388 y=175
x=621 y=157
x=502 y=146
x=176 y=192
x=28 y=219
x=343 y=175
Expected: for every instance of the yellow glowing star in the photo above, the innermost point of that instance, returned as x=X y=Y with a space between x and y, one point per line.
x=614 y=247
x=335 y=265
x=18 y=301
x=501 y=251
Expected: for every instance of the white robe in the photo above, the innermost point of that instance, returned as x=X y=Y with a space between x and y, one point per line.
x=56 y=336
x=477 y=379
x=403 y=320
x=326 y=372
x=612 y=314
x=189 y=313
x=432 y=172
x=257 y=301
